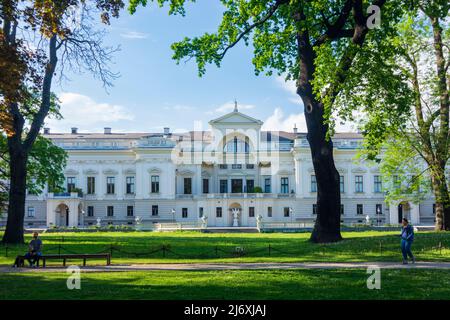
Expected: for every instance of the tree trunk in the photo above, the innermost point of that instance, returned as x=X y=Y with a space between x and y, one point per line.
x=327 y=225
x=328 y=220
x=16 y=205
x=442 y=198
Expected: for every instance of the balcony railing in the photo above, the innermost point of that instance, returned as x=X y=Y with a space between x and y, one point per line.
x=64 y=195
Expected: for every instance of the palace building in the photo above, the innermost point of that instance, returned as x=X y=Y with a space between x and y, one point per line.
x=233 y=168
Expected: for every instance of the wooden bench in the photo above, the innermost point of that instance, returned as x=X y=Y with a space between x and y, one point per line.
x=64 y=257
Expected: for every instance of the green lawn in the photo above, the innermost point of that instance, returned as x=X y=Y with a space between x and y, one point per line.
x=145 y=247
x=256 y=284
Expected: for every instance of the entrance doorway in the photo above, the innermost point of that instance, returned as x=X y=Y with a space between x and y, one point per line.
x=62 y=215
x=403 y=211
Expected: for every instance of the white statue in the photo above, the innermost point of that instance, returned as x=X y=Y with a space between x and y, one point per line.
x=235 y=212
x=259 y=221
x=204 y=222
x=99 y=222
x=367 y=220
x=138 y=221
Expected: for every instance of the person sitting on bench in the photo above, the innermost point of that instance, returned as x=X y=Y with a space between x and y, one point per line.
x=34 y=250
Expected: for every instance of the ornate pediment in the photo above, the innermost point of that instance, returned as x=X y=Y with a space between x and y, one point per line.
x=90 y=172
x=206 y=174
x=359 y=170
x=154 y=170
x=185 y=173
x=129 y=171
x=71 y=171
x=342 y=170
x=110 y=171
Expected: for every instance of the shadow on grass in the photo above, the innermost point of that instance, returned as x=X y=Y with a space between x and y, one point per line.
x=257 y=284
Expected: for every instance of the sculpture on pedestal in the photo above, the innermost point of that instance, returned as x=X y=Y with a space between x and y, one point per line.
x=235 y=212
x=204 y=222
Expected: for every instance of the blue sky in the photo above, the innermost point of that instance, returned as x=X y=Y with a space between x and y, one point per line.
x=153 y=91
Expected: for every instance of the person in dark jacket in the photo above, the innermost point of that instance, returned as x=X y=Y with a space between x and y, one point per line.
x=407 y=236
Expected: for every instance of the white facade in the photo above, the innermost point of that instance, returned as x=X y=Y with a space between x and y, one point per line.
x=181 y=177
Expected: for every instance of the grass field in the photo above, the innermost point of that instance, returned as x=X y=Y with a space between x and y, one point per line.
x=257 y=284
x=146 y=247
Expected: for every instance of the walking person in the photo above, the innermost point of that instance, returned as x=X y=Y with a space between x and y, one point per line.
x=407 y=236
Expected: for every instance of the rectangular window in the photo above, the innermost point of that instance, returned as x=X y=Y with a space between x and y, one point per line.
x=90 y=185
x=269 y=212
x=313 y=183
x=223 y=166
x=434 y=209
x=341 y=184
x=130 y=211
x=359 y=209
x=236 y=166
x=219 y=212
x=359 y=186
x=314 y=208
x=267 y=185
x=31 y=212
x=200 y=212
x=187 y=186
x=130 y=185
x=205 y=185
x=155 y=184
x=251 y=212
x=110 y=185
x=377 y=184
x=155 y=210
x=378 y=208
x=250 y=185
x=284 y=185
x=286 y=211
x=236 y=186
x=70 y=184
x=110 y=211
x=250 y=166
x=184 y=212
x=342 y=209
x=90 y=211
x=223 y=186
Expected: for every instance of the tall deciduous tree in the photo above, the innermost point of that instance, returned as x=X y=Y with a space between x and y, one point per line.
x=38 y=39
x=420 y=52
x=314 y=43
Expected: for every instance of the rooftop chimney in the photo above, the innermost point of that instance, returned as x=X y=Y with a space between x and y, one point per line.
x=46 y=130
x=74 y=130
x=295 y=128
x=107 y=130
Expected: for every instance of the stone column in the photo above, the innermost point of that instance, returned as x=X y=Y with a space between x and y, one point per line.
x=415 y=213
x=393 y=213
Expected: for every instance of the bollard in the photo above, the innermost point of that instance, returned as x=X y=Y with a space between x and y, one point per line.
x=381 y=248
x=270 y=249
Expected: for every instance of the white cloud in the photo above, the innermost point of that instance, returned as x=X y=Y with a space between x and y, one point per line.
x=86 y=114
x=229 y=106
x=291 y=88
x=179 y=107
x=134 y=35
x=279 y=122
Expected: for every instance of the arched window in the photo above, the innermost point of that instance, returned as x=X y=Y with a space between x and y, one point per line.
x=237 y=146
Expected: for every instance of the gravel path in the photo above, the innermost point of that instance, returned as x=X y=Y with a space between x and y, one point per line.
x=236 y=266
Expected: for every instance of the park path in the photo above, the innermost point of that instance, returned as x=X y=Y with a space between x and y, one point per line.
x=236 y=266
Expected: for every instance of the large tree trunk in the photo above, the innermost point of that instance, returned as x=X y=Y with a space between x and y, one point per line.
x=442 y=198
x=327 y=225
x=17 y=193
